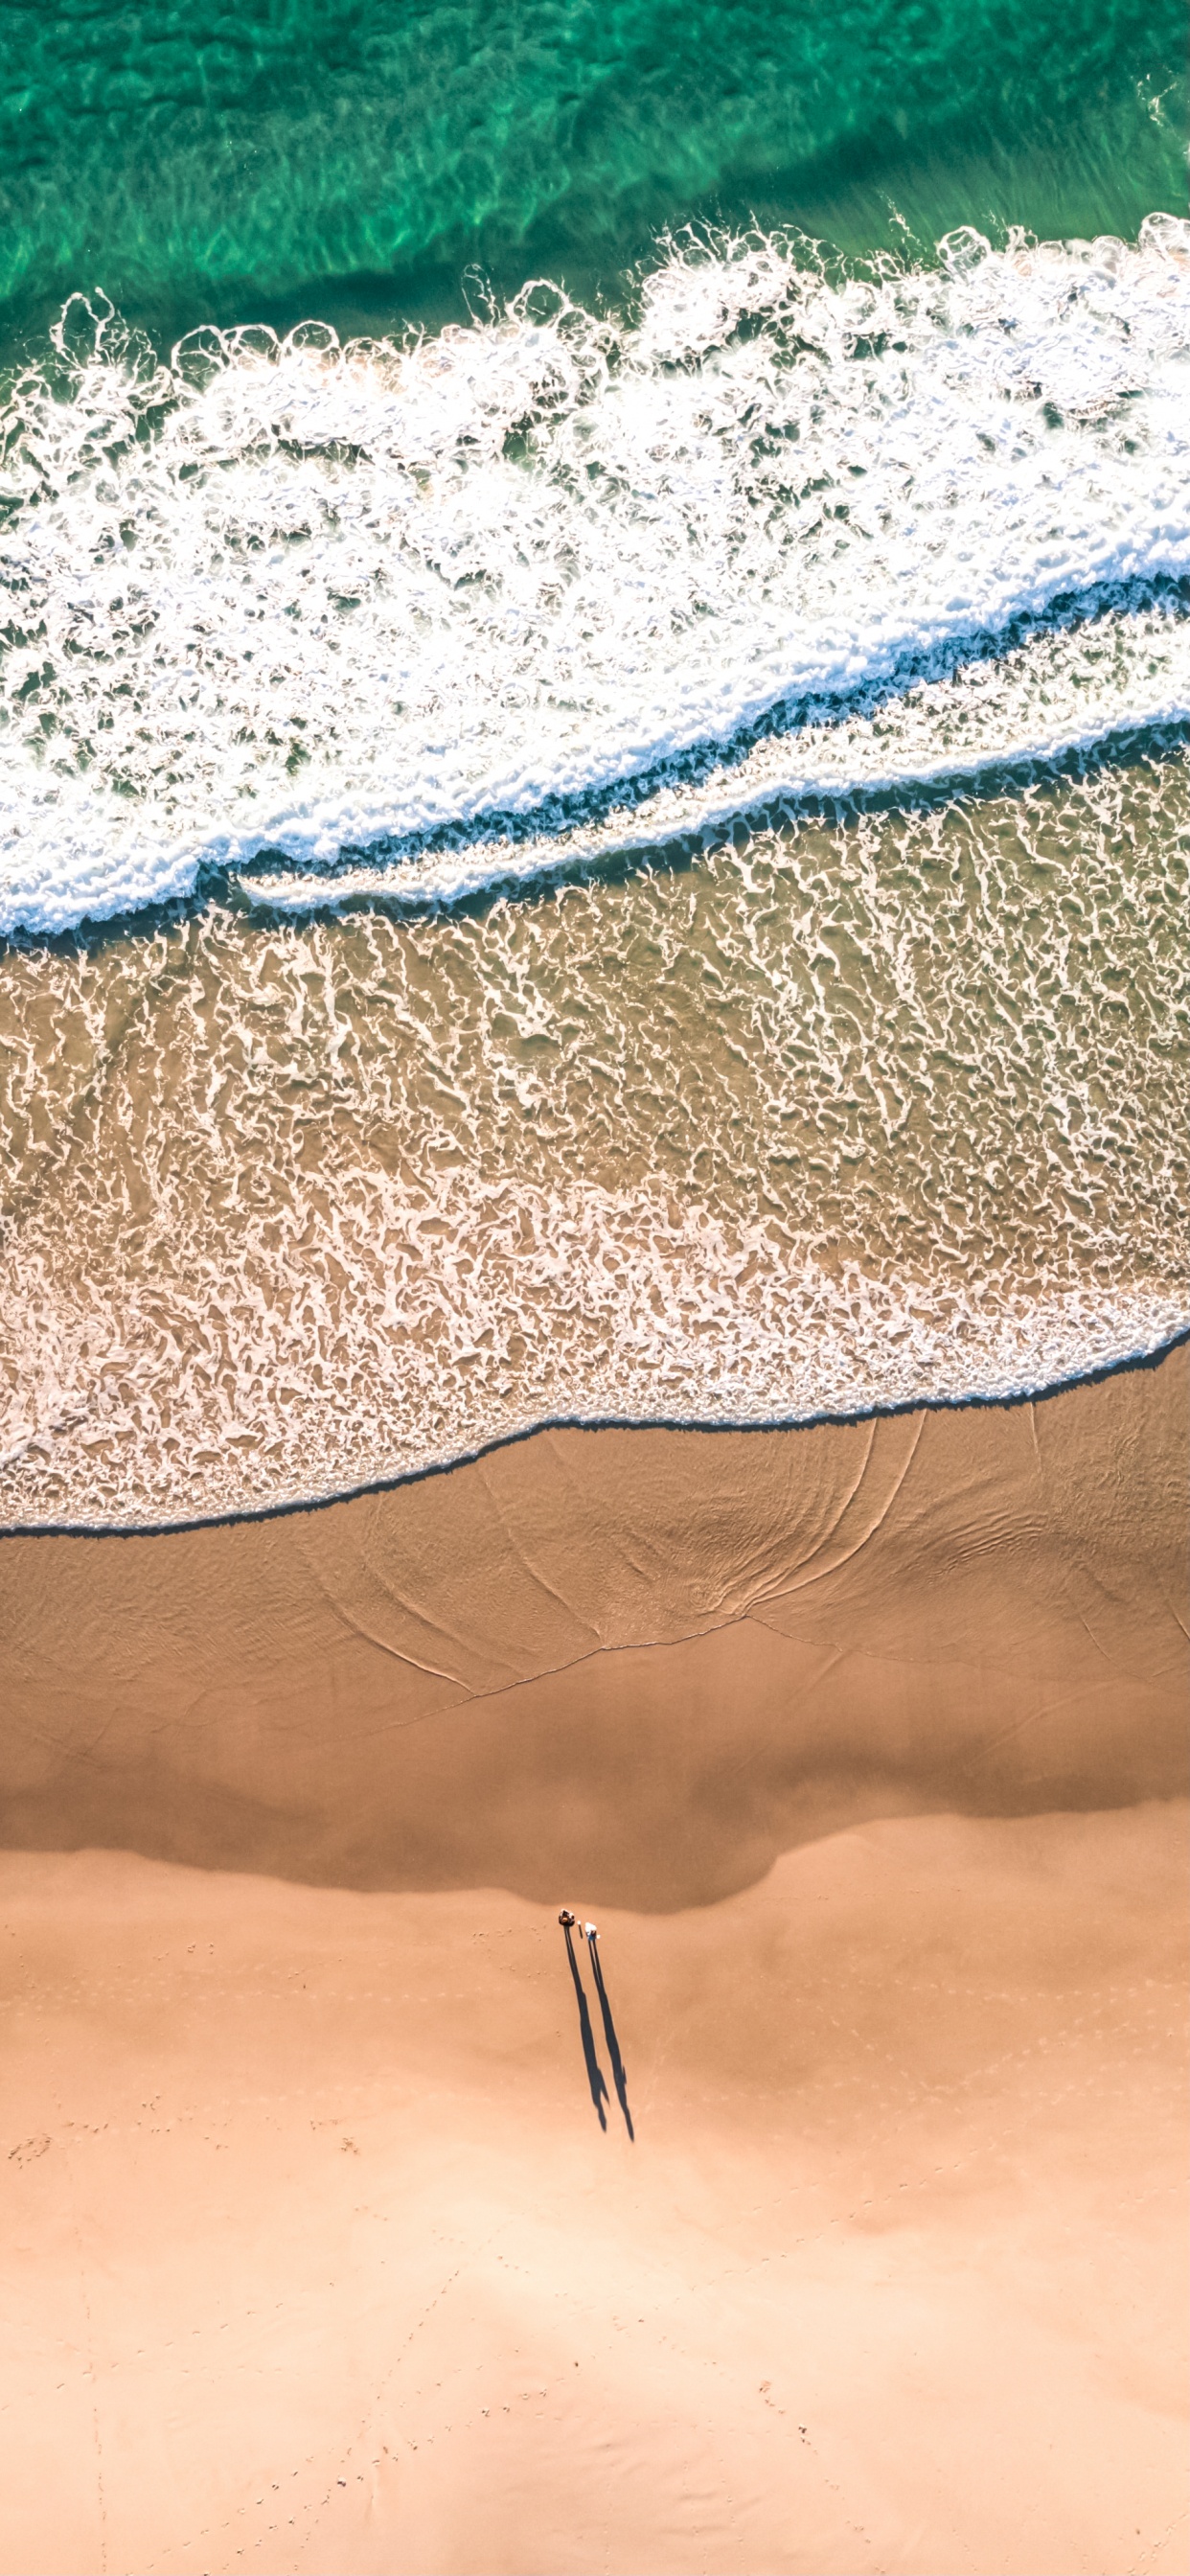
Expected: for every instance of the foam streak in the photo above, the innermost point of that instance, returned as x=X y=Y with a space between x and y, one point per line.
x=310 y=599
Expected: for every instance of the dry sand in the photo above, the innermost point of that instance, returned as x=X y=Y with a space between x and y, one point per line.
x=866 y=1747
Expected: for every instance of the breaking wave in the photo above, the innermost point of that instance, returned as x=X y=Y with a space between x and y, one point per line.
x=562 y=583
x=847 y=612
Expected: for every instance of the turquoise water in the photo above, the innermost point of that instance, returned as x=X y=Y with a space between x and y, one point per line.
x=594 y=691
x=350 y=157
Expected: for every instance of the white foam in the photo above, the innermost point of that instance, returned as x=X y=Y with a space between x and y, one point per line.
x=885 y=1109
x=305 y=598
x=1060 y=693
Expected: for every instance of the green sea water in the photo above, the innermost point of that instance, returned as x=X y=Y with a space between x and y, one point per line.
x=353 y=158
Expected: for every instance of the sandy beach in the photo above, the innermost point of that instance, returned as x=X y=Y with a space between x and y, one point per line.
x=351 y=2233
x=594 y=1312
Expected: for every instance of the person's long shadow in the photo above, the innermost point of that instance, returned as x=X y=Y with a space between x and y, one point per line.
x=595 y=2075
x=619 y=2074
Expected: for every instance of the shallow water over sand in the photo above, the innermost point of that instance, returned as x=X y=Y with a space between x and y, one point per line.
x=597 y=866
x=837 y=1114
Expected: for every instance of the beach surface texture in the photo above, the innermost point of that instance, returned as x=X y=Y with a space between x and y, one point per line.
x=832 y=2224
x=594 y=1287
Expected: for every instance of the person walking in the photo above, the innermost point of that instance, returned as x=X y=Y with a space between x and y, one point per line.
x=595 y=2074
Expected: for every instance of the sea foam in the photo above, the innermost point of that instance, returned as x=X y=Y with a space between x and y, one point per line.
x=880 y=1110
x=319 y=601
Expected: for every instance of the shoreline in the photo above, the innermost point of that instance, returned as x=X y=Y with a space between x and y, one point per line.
x=598 y=827
x=1100 y=1375
x=646 y=1660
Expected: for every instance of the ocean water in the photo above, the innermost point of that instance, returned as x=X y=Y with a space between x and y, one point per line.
x=595 y=684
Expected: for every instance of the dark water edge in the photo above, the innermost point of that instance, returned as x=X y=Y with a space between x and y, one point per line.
x=1128 y=1366
x=352 y=159
x=377 y=166
x=1122 y=748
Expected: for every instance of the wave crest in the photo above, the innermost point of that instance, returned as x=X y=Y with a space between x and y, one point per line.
x=298 y=597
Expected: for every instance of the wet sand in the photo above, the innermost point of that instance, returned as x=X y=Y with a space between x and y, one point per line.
x=867 y=1748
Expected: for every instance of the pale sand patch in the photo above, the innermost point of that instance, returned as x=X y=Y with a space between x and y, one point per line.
x=863 y=1744
x=308 y=2188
